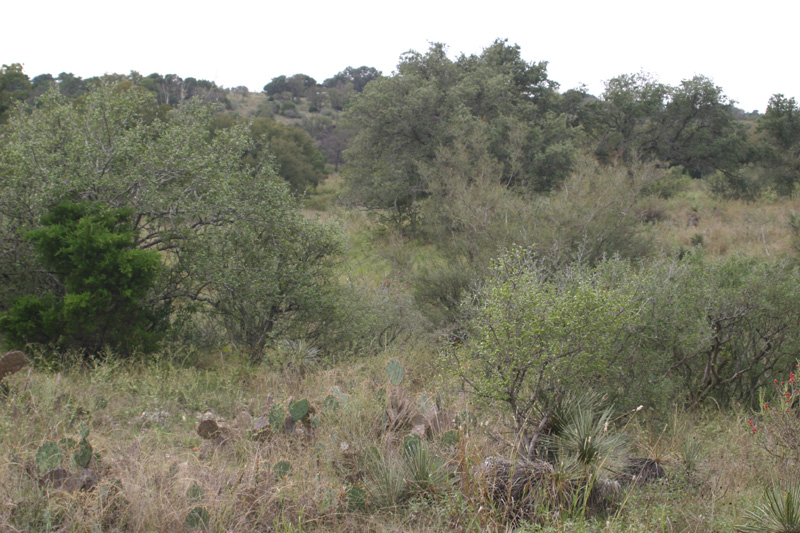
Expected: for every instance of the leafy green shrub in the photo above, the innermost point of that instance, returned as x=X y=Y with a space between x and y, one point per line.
x=534 y=334
x=239 y=259
x=674 y=181
x=712 y=329
x=655 y=333
x=101 y=284
x=365 y=320
x=586 y=222
x=747 y=185
x=297 y=158
x=288 y=109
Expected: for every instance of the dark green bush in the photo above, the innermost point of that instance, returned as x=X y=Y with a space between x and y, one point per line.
x=101 y=284
x=289 y=109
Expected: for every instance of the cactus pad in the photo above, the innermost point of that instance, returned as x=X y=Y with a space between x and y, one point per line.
x=48 y=456
x=299 y=409
x=395 y=371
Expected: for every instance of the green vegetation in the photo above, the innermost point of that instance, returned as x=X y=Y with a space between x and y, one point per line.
x=452 y=298
x=233 y=246
x=102 y=284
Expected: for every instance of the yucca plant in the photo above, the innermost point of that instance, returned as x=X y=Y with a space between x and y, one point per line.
x=299 y=357
x=691 y=451
x=385 y=479
x=780 y=513
x=585 y=449
x=583 y=432
x=568 y=405
x=427 y=472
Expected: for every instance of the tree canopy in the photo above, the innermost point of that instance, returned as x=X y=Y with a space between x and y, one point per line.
x=227 y=230
x=14 y=87
x=780 y=128
x=403 y=120
x=297 y=159
x=691 y=125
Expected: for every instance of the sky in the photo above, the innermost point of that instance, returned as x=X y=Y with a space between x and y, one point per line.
x=749 y=51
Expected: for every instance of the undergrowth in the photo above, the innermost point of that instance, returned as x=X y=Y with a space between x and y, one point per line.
x=347 y=471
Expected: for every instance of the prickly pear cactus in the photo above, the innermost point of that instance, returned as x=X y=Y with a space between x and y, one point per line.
x=195 y=492
x=343 y=398
x=48 y=456
x=299 y=409
x=276 y=417
x=356 y=498
x=450 y=438
x=395 y=371
x=83 y=455
x=424 y=404
x=331 y=404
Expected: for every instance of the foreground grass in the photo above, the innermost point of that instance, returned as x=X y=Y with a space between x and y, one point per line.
x=156 y=473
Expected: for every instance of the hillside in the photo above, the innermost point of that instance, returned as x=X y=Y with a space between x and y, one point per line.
x=454 y=298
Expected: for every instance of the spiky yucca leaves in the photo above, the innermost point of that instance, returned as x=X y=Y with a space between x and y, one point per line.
x=385 y=479
x=583 y=433
x=568 y=405
x=394 y=476
x=427 y=472
x=780 y=513
x=298 y=357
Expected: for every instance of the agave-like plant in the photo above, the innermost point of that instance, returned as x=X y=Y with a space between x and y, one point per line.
x=426 y=471
x=385 y=479
x=780 y=513
x=299 y=356
x=583 y=432
x=585 y=449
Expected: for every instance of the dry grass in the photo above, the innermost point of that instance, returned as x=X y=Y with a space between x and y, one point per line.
x=144 y=433
x=724 y=227
x=154 y=469
x=246 y=106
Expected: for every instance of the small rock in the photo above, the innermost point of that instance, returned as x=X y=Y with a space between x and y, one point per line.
x=156 y=417
x=243 y=420
x=288 y=424
x=54 y=478
x=12 y=362
x=419 y=425
x=208 y=429
x=439 y=422
x=261 y=428
x=86 y=480
x=642 y=470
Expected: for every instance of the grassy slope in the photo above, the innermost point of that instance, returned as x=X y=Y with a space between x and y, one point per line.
x=725 y=226
x=143 y=417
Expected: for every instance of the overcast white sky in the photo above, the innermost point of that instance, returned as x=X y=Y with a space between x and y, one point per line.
x=747 y=48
